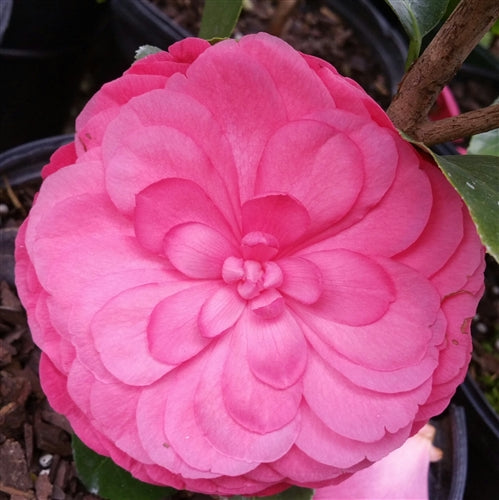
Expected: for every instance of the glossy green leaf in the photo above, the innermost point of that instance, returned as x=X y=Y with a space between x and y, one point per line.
x=293 y=493
x=101 y=476
x=219 y=19
x=476 y=178
x=146 y=50
x=418 y=17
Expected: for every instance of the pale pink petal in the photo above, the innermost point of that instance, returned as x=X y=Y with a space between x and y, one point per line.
x=465 y=262
x=54 y=385
x=403 y=474
x=173 y=331
x=298 y=468
x=408 y=199
x=356 y=290
x=321 y=443
x=302 y=279
x=222 y=431
x=276 y=348
x=119 y=331
x=414 y=310
x=434 y=246
x=348 y=94
x=169 y=116
x=371 y=415
x=220 y=311
x=95 y=295
x=92 y=122
x=152 y=153
x=323 y=170
x=215 y=80
x=197 y=250
x=277 y=214
x=253 y=404
x=459 y=309
x=170 y=202
x=386 y=380
x=300 y=95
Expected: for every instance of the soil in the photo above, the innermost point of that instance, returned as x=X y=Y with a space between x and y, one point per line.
x=35 y=448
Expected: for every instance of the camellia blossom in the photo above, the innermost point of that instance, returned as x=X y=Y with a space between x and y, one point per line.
x=241 y=277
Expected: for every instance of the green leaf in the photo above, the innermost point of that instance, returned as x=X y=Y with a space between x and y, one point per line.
x=146 y=50
x=486 y=143
x=101 y=476
x=293 y=493
x=219 y=18
x=418 y=17
x=476 y=178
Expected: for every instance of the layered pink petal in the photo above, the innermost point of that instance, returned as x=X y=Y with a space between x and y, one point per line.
x=197 y=250
x=124 y=346
x=173 y=331
x=202 y=153
x=355 y=289
x=323 y=170
x=276 y=348
x=414 y=310
x=170 y=202
x=302 y=279
x=220 y=311
x=252 y=403
x=279 y=215
x=434 y=246
x=370 y=414
x=223 y=432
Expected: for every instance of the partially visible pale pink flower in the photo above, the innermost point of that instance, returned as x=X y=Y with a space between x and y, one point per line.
x=401 y=475
x=241 y=277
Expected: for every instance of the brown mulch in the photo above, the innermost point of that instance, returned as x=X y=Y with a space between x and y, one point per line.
x=35 y=447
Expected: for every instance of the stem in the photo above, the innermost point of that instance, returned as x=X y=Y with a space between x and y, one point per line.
x=440 y=61
x=457 y=127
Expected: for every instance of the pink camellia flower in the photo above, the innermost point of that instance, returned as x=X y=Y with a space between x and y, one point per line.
x=241 y=277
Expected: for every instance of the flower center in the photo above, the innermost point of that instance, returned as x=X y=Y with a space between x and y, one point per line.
x=256 y=275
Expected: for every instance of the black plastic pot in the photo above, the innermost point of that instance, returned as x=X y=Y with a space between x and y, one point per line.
x=483 y=442
x=43 y=49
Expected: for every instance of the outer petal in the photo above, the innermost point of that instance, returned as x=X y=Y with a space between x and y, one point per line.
x=120 y=334
x=321 y=443
x=370 y=414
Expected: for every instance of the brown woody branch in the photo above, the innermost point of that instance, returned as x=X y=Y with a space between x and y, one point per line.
x=437 y=65
x=456 y=127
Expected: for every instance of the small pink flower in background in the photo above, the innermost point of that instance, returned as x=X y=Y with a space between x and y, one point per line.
x=241 y=277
